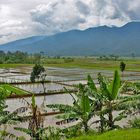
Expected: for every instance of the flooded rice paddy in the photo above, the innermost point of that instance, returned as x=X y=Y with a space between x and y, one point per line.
x=59 y=78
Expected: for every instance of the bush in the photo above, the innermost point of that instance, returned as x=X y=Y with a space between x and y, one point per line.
x=68 y=60
x=135 y=123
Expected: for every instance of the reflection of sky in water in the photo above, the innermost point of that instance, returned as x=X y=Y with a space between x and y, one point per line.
x=58 y=74
x=54 y=74
x=38 y=88
x=13 y=104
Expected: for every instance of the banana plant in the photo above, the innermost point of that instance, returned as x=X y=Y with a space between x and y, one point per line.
x=105 y=96
x=35 y=127
x=97 y=98
x=110 y=91
x=81 y=108
x=108 y=99
x=7 y=118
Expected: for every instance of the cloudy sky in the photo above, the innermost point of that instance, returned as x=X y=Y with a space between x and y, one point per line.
x=24 y=18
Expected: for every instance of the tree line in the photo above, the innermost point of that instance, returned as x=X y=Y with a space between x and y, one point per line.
x=18 y=57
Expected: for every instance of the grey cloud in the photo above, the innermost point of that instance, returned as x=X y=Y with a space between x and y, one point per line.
x=83 y=8
x=55 y=18
x=20 y=19
x=3 y=35
x=130 y=8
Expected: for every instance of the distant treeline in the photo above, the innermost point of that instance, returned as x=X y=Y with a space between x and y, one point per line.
x=109 y=57
x=25 y=58
x=18 y=57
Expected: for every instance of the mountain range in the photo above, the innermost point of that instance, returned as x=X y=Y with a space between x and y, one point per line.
x=102 y=40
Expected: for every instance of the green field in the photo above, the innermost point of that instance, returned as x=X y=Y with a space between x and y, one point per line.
x=93 y=63
x=132 y=134
x=83 y=62
x=14 y=65
x=11 y=90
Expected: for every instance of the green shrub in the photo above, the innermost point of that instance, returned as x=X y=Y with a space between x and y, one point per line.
x=135 y=123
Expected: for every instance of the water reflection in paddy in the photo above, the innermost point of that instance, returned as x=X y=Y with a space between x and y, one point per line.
x=38 y=88
x=13 y=104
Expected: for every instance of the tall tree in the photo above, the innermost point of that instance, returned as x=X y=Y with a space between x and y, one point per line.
x=39 y=73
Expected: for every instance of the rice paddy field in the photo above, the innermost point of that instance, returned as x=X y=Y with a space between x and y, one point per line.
x=15 y=80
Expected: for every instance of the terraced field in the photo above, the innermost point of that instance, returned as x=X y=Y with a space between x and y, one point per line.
x=15 y=80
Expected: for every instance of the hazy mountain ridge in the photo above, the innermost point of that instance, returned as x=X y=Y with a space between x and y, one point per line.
x=101 y=40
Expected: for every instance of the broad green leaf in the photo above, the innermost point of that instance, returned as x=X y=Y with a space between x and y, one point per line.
x=115 y=85
x=91 y=84
x=33 y=101
x=103 y=86
x=85 y=104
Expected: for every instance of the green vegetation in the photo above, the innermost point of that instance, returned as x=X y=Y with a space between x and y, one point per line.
x=35 y=122
x=39 y=73
x=91 y=100
x=14 y=65
x=82 y=109
x=11 y=90
x=7 y=118
x=135 y=123
x=82 y=62
x=122 y=66
x=19 y=59
x=93 y=63
x=99 y=101
x=128 y=134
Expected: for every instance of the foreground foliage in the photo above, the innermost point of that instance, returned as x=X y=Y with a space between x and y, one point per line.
x=91 y=102
x=7 y=118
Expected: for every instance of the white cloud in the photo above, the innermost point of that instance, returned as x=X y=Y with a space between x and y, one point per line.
x=57 y=16
x=24 y=18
